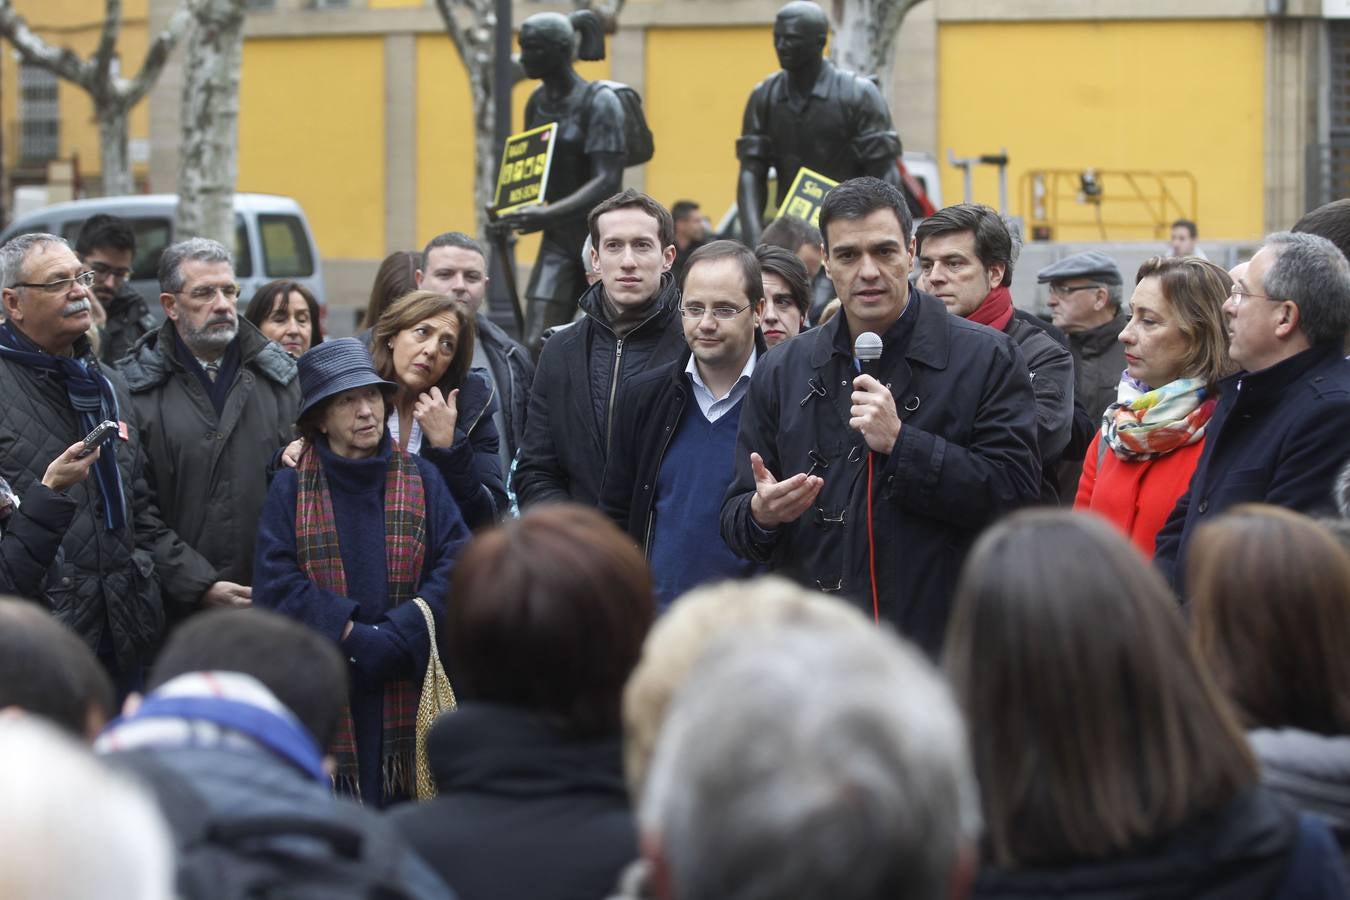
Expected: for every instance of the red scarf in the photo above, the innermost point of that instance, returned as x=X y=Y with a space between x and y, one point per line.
x=996 y=310
x=320 y=558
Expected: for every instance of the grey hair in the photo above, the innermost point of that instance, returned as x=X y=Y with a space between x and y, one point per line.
x=1341 y=491
x=808 y=763
x=71 y=826
x=1116 y=294
x=586 y=247
x=1014 y=227
x=16 y=250
x=1314 y=275
x=198 y=249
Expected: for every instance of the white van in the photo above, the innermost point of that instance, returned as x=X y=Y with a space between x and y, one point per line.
x=272 y=238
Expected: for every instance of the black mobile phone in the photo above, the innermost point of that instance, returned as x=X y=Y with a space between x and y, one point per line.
x=96 y=437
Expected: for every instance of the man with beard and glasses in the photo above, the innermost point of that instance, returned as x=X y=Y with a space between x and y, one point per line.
x=107 y=247
x=215 y=398
x=103 y=585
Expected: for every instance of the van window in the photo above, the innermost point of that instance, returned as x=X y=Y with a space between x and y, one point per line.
x=242 y=250
x=152 y=236
x=285 y=247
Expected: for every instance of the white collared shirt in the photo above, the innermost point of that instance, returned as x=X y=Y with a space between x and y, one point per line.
x=714 y=408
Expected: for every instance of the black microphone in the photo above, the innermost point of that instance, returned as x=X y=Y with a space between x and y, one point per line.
x=867 y=352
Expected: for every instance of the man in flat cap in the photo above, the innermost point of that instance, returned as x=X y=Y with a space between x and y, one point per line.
x=1085 y=301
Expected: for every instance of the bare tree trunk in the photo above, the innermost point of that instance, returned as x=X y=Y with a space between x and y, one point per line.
x=114 y=158
x=471 y=26
x=113 y=97
x=484 y=144
x=210 y=150
x=864 y=36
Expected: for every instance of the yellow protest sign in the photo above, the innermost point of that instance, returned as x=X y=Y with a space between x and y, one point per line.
x=525 y=163
x=807 y=193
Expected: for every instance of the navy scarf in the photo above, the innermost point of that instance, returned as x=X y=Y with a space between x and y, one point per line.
x=92 y=397
x=216 y=391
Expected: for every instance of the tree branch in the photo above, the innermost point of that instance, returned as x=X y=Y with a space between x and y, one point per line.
x=892 y=14
x=157 y=54
x=101 y=61
x=606 y=10
x=63 y=62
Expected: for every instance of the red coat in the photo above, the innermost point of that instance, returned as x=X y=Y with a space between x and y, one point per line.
x=1137 y=496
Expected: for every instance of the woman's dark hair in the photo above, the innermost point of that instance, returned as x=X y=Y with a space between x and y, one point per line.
x=275 y=294
x=549 y=614
x=1270 y=594
x=789 y=267
x=405 y=313
x=396 y=277
x=298 y=665
x=1096 y=728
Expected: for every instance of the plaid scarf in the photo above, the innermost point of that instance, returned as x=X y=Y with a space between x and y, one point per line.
x=92 y=397
x=1158 y=421
x=405 y=530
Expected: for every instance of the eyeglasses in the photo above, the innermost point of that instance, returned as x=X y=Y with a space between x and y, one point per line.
x=102 y=270
x=695 y=311
x=208 y=292
x=84 y=279
x=1237 y=293
x=1064 y=290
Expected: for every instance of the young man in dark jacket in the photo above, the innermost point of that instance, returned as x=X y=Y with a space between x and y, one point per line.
x=1278 y=435
x=965 y=260
x=672 y=459
x=215 y=399
x=631 y=324
x=107 y=247
x=875 y=486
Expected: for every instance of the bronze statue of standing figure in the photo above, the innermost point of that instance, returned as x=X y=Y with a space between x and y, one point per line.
x=588 y=159
x=810 y=114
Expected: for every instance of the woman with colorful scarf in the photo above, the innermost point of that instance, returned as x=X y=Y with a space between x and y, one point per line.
x=347 y=537
x=1176 y=350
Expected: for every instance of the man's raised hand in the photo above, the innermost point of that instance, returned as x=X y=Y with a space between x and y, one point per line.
x=779 y=502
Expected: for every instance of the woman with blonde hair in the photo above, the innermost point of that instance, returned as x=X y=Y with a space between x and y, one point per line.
x=1176 y=350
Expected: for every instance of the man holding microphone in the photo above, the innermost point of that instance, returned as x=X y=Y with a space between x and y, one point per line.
x=872 y=479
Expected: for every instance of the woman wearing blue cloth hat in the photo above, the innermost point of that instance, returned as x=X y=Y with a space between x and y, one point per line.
x=351 y=534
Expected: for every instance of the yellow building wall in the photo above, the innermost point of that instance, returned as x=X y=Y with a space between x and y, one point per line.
x=77 y=24
x=445 y=141
x=1171 y=95
x=311 y=125
x=698 y=80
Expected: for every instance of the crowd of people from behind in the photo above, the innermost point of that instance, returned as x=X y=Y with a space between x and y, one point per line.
x=737 y=598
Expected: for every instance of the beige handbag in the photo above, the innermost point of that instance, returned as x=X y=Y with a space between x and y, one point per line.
x=437 y=698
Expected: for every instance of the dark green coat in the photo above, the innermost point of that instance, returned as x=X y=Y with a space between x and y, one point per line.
x=209 y=472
